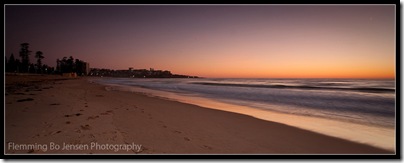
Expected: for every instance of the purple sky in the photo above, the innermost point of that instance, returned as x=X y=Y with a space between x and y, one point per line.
x=209 y=40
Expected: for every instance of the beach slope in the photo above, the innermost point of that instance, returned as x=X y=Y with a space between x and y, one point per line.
x=75 y=112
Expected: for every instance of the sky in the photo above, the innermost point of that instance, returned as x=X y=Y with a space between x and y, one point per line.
x=238 y=41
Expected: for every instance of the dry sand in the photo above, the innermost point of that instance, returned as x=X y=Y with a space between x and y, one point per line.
x=77 y=112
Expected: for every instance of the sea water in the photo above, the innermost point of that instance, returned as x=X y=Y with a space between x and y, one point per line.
x=367 y=103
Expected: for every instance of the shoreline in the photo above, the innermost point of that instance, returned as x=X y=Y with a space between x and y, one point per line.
x=377 y=136
x=80 y=112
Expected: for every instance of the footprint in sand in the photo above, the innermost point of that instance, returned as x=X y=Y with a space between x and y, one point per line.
x=35 y=136
x=85 y=127
x=48 y=124
x=113 y=138
x=55 y=104
x=177 y=132
x=93 y=117
x=187 y=139
x=25 y=99
x=207 y=147
x=47 y=87
x=77 y=114
x=142 y=148
x=107 y=112
x=54 y=132
x=68 y=122
x=91 y=136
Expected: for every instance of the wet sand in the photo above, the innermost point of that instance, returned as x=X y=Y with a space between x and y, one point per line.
x=76 y=112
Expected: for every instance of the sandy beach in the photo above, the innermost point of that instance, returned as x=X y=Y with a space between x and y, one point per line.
x=81 y=117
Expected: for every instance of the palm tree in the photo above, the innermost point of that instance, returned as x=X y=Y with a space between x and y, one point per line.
x=39 y=56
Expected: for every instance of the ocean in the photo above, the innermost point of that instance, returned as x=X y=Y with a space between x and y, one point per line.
x=360 y=102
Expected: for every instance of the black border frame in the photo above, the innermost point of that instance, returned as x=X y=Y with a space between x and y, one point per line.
x=95 y=157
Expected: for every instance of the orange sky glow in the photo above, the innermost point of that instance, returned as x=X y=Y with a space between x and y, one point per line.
x=262 y=41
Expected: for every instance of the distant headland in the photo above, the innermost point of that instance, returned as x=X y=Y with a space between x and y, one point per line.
x=136 y=73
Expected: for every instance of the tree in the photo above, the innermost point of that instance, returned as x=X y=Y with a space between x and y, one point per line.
x=58 y=66
x=39 y=56
x=68 y=65
x=24 y=54
x=17 y=65
x=31 y=68
x=11 y=67
x=77 y=66
x=65 y=65
x=45 y=69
